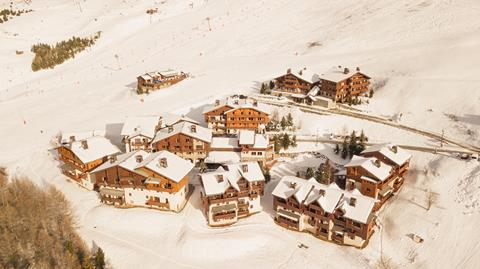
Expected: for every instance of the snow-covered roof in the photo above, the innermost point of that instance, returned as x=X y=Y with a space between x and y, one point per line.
x=127 y=161
x=224 y=142
x=93 y=148
x=246 y=137
x=175 y=168
x=337 y=74
x=198 y=132
x=65 y=136
x=217 y=182
x=304 y=74
x=377 y=168
x=222 y=157
x=157 y=74
x=168 y=119
x=329 y=197
x=140 y=125
x=235 y=102
x=392 y=152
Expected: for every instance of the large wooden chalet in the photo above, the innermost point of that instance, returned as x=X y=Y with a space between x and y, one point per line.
x=138 y=132
x=138 y=178
x=79 y=157
x=232 y=193
x=235 y=113
x=187 y=140
x=341 y=85
x=156 y=80
x=379 y=172
x=326 y=211
x=246 y=146
x=296 y=82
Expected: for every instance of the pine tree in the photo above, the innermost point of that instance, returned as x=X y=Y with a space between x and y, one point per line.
x=285 y=141
x=344 y=149
x=263 y=88
x=289 y=119
x=310 y=173
x=267 y=175
x=272 y=85
x=371 y=93
x=276 y=144
x=283 y=123
x=362 y=145
x=293 y=142
x=100 y=259
x=353 y=144
x=337 y=149
x=203 y=167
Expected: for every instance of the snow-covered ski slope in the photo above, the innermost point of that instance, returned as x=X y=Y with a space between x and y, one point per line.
x=425 y=53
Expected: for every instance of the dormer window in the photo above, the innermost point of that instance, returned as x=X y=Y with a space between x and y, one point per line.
x=245 y=168
x=84 y=144
x=353 y=201
x=163 y=162
x=139 y=158
x=193 y=128
x=219 y=178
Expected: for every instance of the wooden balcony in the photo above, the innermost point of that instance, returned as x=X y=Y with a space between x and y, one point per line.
x=152 y=202
x=223 y=200
x=224 y=216
x=340 y=223
x=112 y=200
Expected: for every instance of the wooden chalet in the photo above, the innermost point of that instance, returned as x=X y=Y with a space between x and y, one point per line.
x=81 y=157
x=325 y=211
x=156 y=180
x=246 y=146
x=187 y=140
x=232 y=192
x=236 y=113
x=156 y=80
x=138 y=132
x=295 y=82
x=341 y=85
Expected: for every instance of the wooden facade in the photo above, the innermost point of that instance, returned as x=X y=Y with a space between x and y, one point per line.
x=154 y=81
x=77 y=170
x=291 y=83
x=245 y=119
x=187 y=147
x=344 y=89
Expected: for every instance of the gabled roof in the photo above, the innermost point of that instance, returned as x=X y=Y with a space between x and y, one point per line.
x=176 y=168
x=304 y=74
x=392 y=152
x=219 y=181
x=329 y=197
x=235 y=102
x=97 y=148
x=337 y=74
x=140 y=125
x=126 y=160
x=381 y=172
x=246 y=137
x=201 y=133
x=65 y=136
x=224 y=142
x=222 y=157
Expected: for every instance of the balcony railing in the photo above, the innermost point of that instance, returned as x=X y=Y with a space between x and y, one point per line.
x=224 y=216
x=152 y=202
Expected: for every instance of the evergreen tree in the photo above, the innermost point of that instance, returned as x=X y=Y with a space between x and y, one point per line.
x=285 y=141
x=289 y=119
x=283 y=123
x=362 y=145
x=371 y=93
x=294 y=141
x=337 y=149
x=267 y=175
x=100 y=259
x=203 y=167
x=310 y=173
x=276 y=144
x=272 y=84
x=263 y=88
x=352 y=144
x=298 y=174
x=344 y=149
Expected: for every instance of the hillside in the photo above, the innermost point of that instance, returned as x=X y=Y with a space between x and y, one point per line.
x=424 y=52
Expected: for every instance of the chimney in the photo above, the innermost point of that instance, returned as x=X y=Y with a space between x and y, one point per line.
x=376 y=162
x=235 y=102
x=300 y=72
x=72 y=138
x=84 y=144
x=289 y=70
x=163 y=162
x=112 y=158
x=293 y=185
x=394 y=149
x=350 y=185
x=346 y=70
x=353 y=201
x=322 y=192
x=217 y=102
x=193 y=128
x=255 y=103
x=358 y=69
x=245 y=168
x=170 y=129
x=139 y=158
x=219 y=178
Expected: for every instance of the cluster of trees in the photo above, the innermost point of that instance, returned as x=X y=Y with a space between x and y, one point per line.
x=267 y=88
x=352 y=145
x=6 y=14
x=284 y=141
x=323 y=174
x=47 y=56
x=285 y=123
x=357 y=101
x=37 y=229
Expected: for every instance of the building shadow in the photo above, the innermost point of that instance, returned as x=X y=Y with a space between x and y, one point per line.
x=470 y=119
x=196 y=113
x=113 y=133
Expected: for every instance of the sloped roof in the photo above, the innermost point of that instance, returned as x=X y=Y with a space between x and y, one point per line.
x=360 y=210
x=97 y=148
x=381 y=172
x=235 y=102
x=176 y=169
x=219 y=181
x=336 y=74
x=224 y=142
x=222 y=157
x=140 y=125
x=126 y=160
x=304 y=74
x=246 y=137
x=398 y=156
x=185 y=128
x=65 y=136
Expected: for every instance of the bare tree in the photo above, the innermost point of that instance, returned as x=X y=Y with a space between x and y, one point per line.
x=385 y=263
